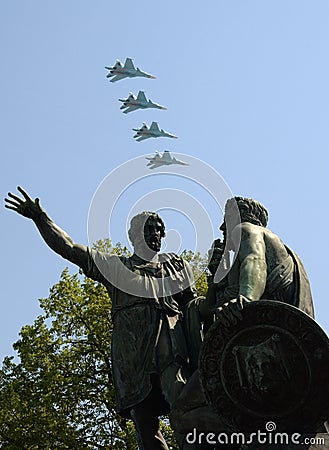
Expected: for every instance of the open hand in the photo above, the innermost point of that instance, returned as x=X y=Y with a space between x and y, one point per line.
x=26 y=207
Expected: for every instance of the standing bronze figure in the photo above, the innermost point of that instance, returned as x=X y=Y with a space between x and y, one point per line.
x=149 y=292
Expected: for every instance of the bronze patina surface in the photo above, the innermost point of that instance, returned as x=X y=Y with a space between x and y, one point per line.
x=272 y=366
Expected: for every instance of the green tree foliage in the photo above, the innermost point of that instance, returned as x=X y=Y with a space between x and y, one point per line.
x=198 y=264
x=60 y=394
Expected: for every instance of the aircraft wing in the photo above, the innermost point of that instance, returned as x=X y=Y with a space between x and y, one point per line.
x=143 y=137
x=118 y=77
x=129 y=64
x=154 y=128
x=131 y=108
x=141 y=97
x=128 y=99
x=154 y=158
x=155 y=165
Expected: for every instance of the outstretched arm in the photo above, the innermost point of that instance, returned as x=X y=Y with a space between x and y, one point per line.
x=56 y=238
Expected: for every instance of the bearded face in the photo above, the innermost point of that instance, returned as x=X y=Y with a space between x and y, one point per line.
x=153 y=233
x=146 y=235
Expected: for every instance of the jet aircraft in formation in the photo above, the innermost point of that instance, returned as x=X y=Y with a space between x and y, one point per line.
x=132 y=103
x=119 y=72
x=163 y=160
x=146 y=132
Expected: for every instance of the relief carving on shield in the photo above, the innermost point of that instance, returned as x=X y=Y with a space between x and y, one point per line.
x=261 y=369
x=272 y=365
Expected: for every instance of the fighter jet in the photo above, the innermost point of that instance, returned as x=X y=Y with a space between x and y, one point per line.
x=154 y=131
x=132 y=103
x=165 y=160
x=118 y=71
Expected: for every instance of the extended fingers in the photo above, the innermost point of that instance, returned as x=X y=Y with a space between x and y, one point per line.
x=25 y=194
x=15 y=203
x=11 y=207
x=15 y=197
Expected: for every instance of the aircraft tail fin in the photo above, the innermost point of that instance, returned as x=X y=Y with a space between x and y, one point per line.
x=141 y=96
x=155 y=127
x=129 y=64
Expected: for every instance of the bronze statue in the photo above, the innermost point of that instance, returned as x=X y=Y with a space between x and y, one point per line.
x=263 y=268
x=149 y=352
x=157 y=318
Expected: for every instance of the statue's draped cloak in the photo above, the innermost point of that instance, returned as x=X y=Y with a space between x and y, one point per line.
x=288 y=282
x=148 y=330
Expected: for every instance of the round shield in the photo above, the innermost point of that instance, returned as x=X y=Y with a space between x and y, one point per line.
x=272 y=367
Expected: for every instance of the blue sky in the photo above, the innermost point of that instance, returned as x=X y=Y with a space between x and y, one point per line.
x=246 y=87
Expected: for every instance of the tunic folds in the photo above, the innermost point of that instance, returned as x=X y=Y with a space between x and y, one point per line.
x=147 y=303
